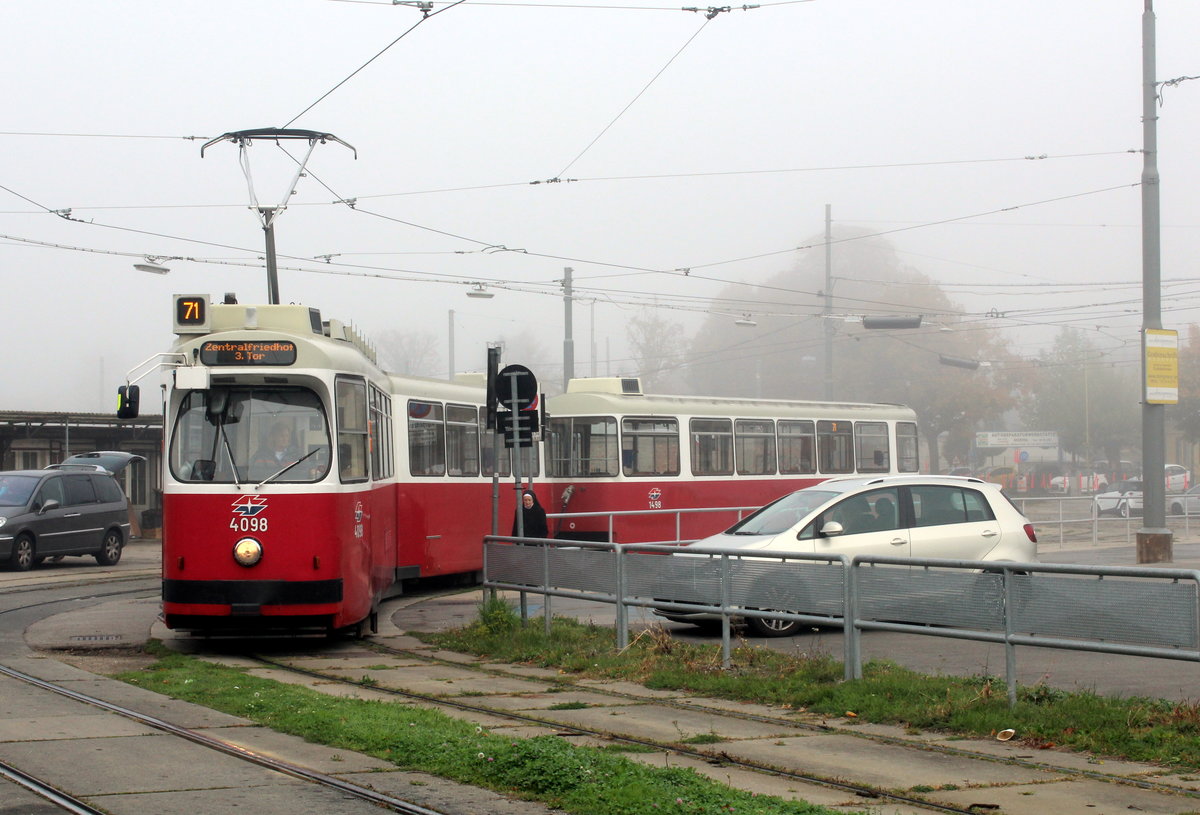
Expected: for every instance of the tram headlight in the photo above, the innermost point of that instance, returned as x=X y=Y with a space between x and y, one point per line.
x=247 y=552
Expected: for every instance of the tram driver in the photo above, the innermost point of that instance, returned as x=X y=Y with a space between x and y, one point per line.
x=276 y=453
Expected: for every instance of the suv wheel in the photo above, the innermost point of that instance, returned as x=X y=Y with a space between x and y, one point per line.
x=23 y=557
x=110 y=549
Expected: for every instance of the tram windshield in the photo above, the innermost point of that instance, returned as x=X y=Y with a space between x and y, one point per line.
x=251 y=434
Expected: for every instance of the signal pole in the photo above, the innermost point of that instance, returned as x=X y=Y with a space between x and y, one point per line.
x=568 y=330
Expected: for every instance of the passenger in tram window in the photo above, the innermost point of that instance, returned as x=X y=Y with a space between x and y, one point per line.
x=276 y=453
x=533 y=517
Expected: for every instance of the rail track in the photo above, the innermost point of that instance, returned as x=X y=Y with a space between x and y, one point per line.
x=869 y=793
x=70 y=803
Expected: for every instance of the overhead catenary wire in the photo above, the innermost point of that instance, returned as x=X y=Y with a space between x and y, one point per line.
x=427 y=15
x=558 y=176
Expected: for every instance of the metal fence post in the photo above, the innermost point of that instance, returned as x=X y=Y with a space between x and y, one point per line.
x=1010 y=650
x=546 y=588
x=851 y=647
x=622 y=609
x=726 y=645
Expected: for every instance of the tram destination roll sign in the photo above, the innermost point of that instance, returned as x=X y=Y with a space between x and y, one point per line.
x=248 y=352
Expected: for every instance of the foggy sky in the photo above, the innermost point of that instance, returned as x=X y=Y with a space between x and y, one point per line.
x=905 y=117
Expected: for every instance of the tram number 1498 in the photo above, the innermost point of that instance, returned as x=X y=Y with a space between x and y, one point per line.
x=248 y=524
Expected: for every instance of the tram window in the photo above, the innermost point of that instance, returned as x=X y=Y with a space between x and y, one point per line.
x=712 y=446
x=382 y=453
x=871 y=447
x=222 y=438
x=462 y=440
x=353 y=439
x=650 y=446
x=797 y=447
x=426 y=438
x=908 y=451
x=581 y=447
x=835 y=447
x=754 y=445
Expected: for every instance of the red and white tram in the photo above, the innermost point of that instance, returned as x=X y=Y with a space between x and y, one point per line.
x=611 y=448
x=303 y=483
x=290 y=495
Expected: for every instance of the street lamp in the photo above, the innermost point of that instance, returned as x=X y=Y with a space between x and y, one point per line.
x=153 y=265
x=479 y=291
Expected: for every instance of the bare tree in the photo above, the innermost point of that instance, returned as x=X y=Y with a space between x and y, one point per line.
x=415 y=353
x=657 y=346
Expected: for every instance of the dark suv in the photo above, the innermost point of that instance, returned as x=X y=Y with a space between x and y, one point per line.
x=75 y=510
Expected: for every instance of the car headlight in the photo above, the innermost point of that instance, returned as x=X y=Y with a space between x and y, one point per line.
x=247 y=552
x=3 y=520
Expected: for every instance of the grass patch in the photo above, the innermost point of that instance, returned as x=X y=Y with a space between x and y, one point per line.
x=576 y=779
x=1135 y=729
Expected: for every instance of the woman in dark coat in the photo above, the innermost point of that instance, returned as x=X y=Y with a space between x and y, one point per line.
x=533 y=517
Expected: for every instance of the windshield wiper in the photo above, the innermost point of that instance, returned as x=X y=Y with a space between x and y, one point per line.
x=287 y=467
x=229 y=452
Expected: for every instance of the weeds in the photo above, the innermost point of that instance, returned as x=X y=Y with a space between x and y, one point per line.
x=1045 y=717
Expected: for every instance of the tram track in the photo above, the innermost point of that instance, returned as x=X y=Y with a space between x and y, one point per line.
x=813 y=727
x=867 y=792
x=72 y=804
x=43 y=789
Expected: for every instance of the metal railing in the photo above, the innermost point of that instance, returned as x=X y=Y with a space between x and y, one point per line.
x=1064 y=519
x=648 y=513
x=1073 y=519
x=1029 y=604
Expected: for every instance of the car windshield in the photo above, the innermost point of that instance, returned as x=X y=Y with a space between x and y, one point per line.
x=783 y=514
x=1128 y=486
x=243 y=435
x=16 y=489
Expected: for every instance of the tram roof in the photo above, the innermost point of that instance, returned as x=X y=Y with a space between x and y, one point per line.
x=622 y=396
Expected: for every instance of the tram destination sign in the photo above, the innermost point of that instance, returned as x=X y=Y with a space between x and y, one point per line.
x=248 y=352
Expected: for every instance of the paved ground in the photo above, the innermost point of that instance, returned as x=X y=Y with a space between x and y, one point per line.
x=64 y=743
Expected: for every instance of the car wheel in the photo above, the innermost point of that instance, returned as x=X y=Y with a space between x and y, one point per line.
x=1176 y=509
x=110 y=548
x=773 y=628
x=1123 y=509
x=23 y=557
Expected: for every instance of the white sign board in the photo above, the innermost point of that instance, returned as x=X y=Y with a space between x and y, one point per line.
x=1017 y=438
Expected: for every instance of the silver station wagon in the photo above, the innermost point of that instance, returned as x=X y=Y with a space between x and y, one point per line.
x=943 y=517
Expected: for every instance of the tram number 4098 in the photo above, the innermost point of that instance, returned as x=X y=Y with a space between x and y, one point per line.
x=248 y=524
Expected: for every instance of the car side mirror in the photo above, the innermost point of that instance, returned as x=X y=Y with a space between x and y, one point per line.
x=47 y=505
x=832 y=529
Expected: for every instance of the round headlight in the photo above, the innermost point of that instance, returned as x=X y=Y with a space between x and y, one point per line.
x=3 y=520
x=247 y=552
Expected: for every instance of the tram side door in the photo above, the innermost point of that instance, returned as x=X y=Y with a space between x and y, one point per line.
x=353 y=455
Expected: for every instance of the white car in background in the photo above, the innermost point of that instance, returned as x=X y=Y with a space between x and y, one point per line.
x=1187 y=503
x=1123 y=498
x=1178 y=477
x=895 y=516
